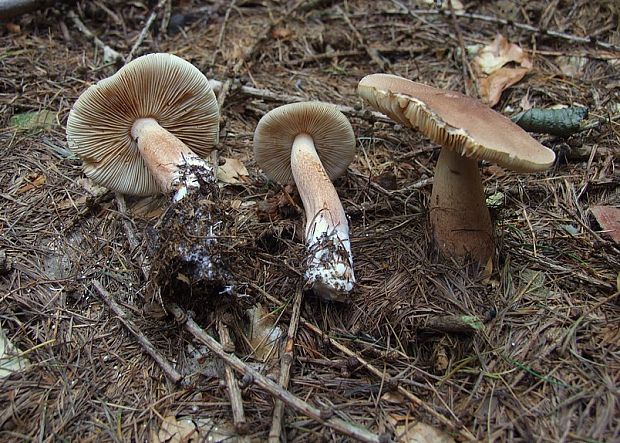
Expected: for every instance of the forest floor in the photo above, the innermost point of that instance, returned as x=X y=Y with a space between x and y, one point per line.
x=542 y=364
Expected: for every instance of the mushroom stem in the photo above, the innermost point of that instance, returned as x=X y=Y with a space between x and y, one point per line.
x=167 y=157
x=330 y=264
x=459 y=215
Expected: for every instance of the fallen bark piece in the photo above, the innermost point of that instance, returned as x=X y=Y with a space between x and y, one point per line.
x=561 y=122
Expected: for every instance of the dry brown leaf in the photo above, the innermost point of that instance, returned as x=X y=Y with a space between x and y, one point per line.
x=608 y=217
x=72 y=203
x=264 y=334
x=176 y=431
x=232 y=171
x=491 y=87
x=91 y=187
x=500 y=52
x=393 y=397
x=571 y=66
x=35 y=180
x=489 y=65
x=13 y=28
x=418 y=432
x=281 y=33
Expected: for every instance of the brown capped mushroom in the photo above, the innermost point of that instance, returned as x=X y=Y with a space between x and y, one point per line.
x=136 y=129
x=469 y=131
x=312 y=143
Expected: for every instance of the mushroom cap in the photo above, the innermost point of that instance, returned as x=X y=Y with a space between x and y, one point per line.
x=159 y=86
x=456 y=122
x=330 y=130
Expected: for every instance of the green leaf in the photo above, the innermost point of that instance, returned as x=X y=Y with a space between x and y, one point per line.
x=31 y=121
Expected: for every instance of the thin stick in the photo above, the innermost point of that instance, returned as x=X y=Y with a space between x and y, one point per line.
x=234 y=393
x=134 y=244
x=145 y=30
x=109 y=54
x=170 y=372
x=266 y=94
x=249 y=53
x=372 y=53
x=344 y=427
x=374 y=370
x=468 y=78
x=285 y=368
x=506 y=22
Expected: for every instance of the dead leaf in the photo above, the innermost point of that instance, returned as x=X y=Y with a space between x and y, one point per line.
x=264 y=334
x=176 y=431
x=500 y=52
x=491 y=87
x=232 y=171
x=72 y=203
x=393 y=397
x=13 y=28
x=571 y=66
x=35 y=180
x=281 y=33
x=184 y=278
x=149 y=207
x=608 y=218
x=457 y=5
x=489 y=65
x=91 y=187
x=418 y=432
x=11 y=359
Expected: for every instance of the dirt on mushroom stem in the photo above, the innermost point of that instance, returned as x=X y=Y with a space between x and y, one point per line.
x=190 y=245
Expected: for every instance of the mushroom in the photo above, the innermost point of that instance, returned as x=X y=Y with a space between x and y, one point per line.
x=143 y=129
x=312 y=143
x=468 y=131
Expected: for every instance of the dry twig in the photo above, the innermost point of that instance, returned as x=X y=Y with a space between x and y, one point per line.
x=374 y=370
x=285 y=368
x=145 y=29
x=266 y=94
x=234 y=393
x=323 y=417
x=109 y=54
x=170 y=372
x=507 y=22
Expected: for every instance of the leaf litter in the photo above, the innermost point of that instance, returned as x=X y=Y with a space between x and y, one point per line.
x=544 y=366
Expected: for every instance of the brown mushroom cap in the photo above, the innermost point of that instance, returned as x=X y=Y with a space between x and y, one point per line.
x=330 y=130
x=456 y=122
x=159 y=86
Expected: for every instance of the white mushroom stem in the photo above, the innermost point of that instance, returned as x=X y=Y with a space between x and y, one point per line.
x=459 y=215
x=330 y=264
x=171 y=162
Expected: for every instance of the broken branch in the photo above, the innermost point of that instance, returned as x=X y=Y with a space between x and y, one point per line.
x=346 y=428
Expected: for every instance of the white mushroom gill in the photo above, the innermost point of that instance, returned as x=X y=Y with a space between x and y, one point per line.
x=330 y=263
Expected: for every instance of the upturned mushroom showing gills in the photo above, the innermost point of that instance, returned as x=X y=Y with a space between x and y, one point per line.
x=142 y=130
x=311 y=144
x=469 y=131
